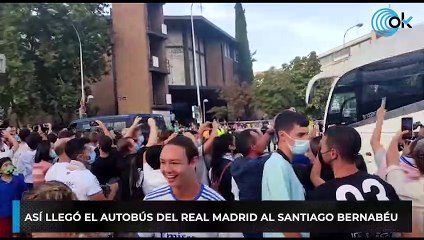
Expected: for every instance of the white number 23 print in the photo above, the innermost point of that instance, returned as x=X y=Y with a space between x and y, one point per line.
x=366 y=188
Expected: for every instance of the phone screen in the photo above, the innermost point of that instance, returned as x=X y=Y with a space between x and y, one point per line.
x=407 y=126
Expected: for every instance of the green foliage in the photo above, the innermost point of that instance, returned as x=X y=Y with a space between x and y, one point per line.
x=240 y=101
x=245 y=58
x=42 y=51
x=279 y=89
x=219 y=113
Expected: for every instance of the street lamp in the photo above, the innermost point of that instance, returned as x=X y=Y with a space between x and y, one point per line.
x=196 y=76
x=204 y=109
x=53 y=11
x=357 y=25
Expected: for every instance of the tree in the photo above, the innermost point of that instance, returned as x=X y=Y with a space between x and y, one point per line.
x=278 y=89
x=42 y=48
x=273 y=91
x=245 y=58
x=219 y=112
x=240 y=101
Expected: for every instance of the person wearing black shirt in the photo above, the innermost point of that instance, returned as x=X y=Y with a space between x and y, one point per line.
x=104 y=168
x=340 y=146
x=222 y=157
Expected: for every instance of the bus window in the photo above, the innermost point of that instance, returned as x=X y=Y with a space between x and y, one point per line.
x=342 y=108
x=399 y=92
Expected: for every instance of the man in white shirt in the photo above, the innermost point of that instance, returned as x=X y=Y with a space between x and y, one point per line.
x=59 y=168
x=26 y=159
x=178 y=163
x=76 y=176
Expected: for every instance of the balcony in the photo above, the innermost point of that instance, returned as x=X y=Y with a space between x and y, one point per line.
x=157 y=33
x=159 y=65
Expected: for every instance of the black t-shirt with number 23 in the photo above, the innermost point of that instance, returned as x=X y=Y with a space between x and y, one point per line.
x=360 y=186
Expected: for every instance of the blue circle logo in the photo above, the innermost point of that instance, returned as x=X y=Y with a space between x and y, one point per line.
x=380 y=22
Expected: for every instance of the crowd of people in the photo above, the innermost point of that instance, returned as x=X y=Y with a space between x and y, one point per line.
x=210 y=163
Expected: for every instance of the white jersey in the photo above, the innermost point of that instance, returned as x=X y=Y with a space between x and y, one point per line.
x=165 y=193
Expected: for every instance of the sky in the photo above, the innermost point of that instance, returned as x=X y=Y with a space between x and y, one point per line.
x=281 y=31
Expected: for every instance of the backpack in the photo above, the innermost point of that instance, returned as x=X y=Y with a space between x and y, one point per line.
x=215 y=183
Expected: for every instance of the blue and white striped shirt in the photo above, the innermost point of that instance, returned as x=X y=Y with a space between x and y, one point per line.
x=165 y=193
x=206 y=193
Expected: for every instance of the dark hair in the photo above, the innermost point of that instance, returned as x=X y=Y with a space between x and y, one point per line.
x=23 y=134
x=164 y=134
x=124 y=146
x=52 y=137
x=3 y=160
x=286 y=121
x=244 y=140
x=360 y=163
x=105 y=144
x=43 y=152
x=153 y=156
x=220 y=146
x=94 y=137
x=345 y=140
x=188 y=145
x=74 y=147
x=418 y=155
x=65 y=134
x=33 y=140
x=314 y=144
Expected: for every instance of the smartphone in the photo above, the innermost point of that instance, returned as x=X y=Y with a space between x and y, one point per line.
x=94 y=124
x=383 y=102
x=407 y=123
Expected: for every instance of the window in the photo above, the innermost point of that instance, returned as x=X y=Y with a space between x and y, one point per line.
x=399 y=92
x=191 y=63
x=203 y=69
x=201 y=46
x=343 y=108
x=227 y=50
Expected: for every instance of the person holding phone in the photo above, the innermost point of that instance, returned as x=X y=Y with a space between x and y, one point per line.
x=406 y=162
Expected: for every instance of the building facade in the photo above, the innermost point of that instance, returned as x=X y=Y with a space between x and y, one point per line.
x=216 y=63
x=152 y=67
x=138 y=80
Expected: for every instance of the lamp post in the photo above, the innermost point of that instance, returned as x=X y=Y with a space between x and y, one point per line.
x=204 y=109
x=196 y=76
x=81 y=68
x=53 y=11
x=357 y=25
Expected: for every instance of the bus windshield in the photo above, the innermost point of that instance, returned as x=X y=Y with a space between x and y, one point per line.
x=358 y=93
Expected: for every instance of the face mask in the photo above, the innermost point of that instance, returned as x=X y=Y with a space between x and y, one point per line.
x=140 y=143
x=299 y=147
x=53 y=155
x=9 y=170
x=92 y=157
x=18 y=139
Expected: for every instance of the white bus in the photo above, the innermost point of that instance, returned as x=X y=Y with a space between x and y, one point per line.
x=356 y=94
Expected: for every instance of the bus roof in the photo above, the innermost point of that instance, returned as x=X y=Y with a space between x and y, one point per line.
x=404 y=41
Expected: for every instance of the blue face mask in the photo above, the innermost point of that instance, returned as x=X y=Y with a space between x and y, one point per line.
x=53 y=155
x=299 y=147
x=92 y=156
x=17 y=138
x=139 y=143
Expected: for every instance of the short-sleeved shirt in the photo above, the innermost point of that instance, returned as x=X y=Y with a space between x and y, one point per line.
x=82 y=182
x=359 y=186
x=10 y=191
x=280 y=183
x=165 y=193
